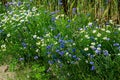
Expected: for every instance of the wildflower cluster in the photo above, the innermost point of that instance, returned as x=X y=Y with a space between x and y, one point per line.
x=65 y=46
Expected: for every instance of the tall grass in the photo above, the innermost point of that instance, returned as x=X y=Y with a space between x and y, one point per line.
x=102 y=9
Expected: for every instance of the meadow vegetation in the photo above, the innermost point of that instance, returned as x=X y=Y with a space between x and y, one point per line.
x=39 y=41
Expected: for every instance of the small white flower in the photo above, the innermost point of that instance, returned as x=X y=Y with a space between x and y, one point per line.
x=90 y=24
x=94 y=31
x=66 y=53
x=8 y=35
x=98 y=35
x=92 y=47
x=22 y=20
x=47 y=35
x=82 y=31
x=28 y=76
x=118 y=54
x=56 y=43
x=96 y=38
x=86 y=61
x=38 y=37
x=111 y=21
x=86 y=49
x=37 y=50
x=97 y=19
x=34 y=9
x=62 y=15
x=98 y=48
x=106 y=38
x=119 y=29
x=48 y=40
x=74 y=44
x=34 y=36
x=37 y=14
x=42 y=40
x=107 y=31
x=3 y=46
x=38 y=43
x=93 y=43
x=43 y=45
x=86 y=36
x=102 y=29
x=57 y=17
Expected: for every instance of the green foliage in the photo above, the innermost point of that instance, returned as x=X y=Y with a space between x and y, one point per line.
x=57 y=47
x=2 y=8
x=38 y=72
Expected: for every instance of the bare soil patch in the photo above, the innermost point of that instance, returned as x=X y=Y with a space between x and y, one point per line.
x=5 y=74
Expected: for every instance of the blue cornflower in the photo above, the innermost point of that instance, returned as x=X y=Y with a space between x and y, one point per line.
x=85 y=28
x=92 y=38
x=61 y=41
x=60 y=65
x=77 y=59
x=48 y=47
x=24 y=44
x=74 y=56
x=52 y=28
x=74 y=49
x=21 y=59
x=58 y=35
x=53 y=19
x=69 y=20
x=57 y=50
x=107 y=39
x=80 y=29
x=60 y=2
x=19 y=3
x=50 y=62
x=71 y=41
x=91 y=63
x=6 y=5
x=35 y=57
x=1 y=31
x=52 y=13
x=94 y=48
x=97 y=51
x=62 y=45
x=67 y=26
x=116 y=32
x=119 y=48
x=91 y=56
x=61 y=53
x=99 y=45
x=48 y=52
x=74 y=10
x=116 y=44
x=93 y=68
x=105 y=52
x=28 y=5
x=107 y=23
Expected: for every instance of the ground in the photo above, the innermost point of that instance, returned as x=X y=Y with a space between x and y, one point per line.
x=5 y=74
